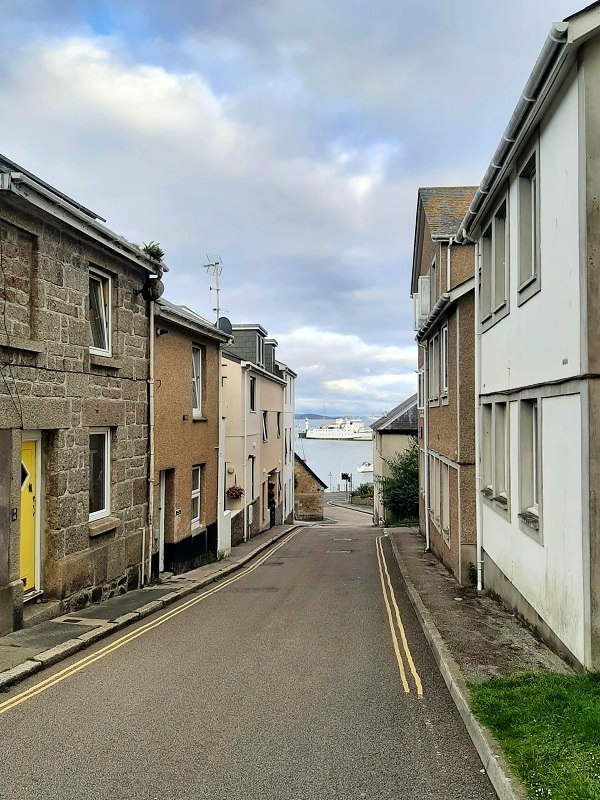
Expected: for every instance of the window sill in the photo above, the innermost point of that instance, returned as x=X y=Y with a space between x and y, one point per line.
x=197 y=416
x=531 y=519
x=99 y=526
x=487 y=493
x=107 y=362
x=527 y=282
x=20 y=343
x=197 y=528
x=501 y=500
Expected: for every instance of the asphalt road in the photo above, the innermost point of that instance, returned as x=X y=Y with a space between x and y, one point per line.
x=284 y=681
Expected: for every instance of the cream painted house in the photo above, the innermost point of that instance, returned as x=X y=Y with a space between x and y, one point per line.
x=257 y=469
x=536 y=223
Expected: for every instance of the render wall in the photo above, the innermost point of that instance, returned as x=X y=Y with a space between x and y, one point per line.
x=309 y=496
x=183 y=442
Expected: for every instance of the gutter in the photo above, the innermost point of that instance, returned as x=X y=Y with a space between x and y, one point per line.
x=24 y=187
x=444 y=301
x=551 y=58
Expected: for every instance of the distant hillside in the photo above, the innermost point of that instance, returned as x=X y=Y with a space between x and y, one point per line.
x=313 y=416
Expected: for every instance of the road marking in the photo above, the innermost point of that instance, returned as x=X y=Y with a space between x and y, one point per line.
x=383 y=570
x=86 y=661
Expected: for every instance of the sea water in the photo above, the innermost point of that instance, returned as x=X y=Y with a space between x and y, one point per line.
x=329 y=458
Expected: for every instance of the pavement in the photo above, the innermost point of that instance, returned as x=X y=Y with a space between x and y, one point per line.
x=472 y=636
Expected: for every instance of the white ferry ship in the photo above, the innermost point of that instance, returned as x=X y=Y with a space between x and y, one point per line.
x=341 y=428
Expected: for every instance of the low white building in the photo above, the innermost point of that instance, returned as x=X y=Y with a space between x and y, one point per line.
x=536 y=223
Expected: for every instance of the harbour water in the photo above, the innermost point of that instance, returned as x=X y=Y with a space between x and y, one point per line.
x=328 y=459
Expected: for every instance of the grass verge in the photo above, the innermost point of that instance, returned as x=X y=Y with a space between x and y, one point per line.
x=549 y=729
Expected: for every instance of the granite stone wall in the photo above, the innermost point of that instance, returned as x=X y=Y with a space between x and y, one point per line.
x=51 y=384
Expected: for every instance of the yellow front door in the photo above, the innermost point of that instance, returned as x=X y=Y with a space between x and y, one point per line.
x=27 y=525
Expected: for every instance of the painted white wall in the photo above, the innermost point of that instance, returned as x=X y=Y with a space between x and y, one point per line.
x=530 y=344
x=549 y=574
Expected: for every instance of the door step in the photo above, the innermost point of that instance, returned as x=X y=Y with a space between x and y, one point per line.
x=34 y=613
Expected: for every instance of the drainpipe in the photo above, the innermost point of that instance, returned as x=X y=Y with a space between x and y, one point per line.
x=220 y=453
x=477 y=382
x=426 y=438
x=151 y=440
x=246 y=403
x=448 y=271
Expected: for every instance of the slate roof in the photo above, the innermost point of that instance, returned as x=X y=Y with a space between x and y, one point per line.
x=305 y=466
x=445 y=207
x=402 y=419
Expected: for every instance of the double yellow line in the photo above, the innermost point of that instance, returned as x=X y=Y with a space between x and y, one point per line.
x=87 y=661
x=395 y=623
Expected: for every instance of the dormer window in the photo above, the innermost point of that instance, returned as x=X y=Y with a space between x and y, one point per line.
x=260 y=351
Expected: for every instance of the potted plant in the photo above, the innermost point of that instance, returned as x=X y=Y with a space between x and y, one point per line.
x=235 y=492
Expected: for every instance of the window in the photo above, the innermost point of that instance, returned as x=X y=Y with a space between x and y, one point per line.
x=494 y=266
x=279 y=424
x=196 y=485
x=252 y=394
x=445 y=490
x=529 y=259
x=433 y=368
x=265 y=431
x=486 y=449
x=100 y=313
x=285 y=439
x=260 y=351
x=444 y=360
x=197 y=381
x=529 y=462
x=495 y=462
x=99 y=473
x=434 y=488
x=421 y=391
x=432 y=286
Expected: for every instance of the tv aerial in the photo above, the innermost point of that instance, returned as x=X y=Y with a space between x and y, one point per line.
x=214 y=269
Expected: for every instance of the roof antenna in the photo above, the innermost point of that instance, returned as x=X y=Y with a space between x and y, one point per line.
x=214 y=268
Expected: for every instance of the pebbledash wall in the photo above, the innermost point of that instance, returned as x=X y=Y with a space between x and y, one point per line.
x=54 y=392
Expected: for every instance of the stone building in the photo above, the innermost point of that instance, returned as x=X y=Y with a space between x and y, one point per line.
x=74 y=340
x=309 y=495
x=443 y=293
x=186 y=436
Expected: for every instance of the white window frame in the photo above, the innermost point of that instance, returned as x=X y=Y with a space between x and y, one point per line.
x=528 y=200
x=444 y=360
x=530 y=461
x=260 y=351
x=495 y=453
x=252 y=393
x=494 y=248
x=105 y=511
x=265 y=426
x=445 y=501
x=279 y=424
x=196 y=495
x=197 y=359
x=105 y=282
x=421 y=391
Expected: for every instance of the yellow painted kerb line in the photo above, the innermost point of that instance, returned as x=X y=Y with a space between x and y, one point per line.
x=383 y=569
x=86 y=661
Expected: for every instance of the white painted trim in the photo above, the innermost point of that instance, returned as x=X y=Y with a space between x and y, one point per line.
x=96 y=272
x=104 y=512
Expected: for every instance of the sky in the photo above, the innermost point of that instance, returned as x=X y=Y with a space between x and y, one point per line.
x=287 y=138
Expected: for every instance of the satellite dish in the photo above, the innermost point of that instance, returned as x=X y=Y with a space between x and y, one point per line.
x=225 y=325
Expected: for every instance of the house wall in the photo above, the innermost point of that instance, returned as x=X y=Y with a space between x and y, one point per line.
x=555 y=355
x=533 y=352
x=270 y=393
x=547 y=572
x=57 y=388
x=309 y=496
x=182 y=442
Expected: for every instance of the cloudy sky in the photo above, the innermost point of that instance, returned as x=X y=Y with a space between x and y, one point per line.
x=289 y=137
